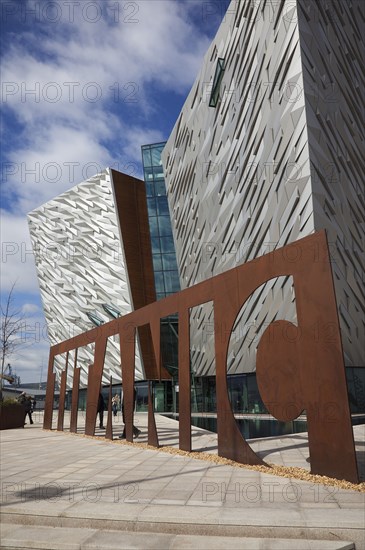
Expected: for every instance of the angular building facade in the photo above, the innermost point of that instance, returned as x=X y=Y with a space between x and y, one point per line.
x=266 y=150
x=94 y=263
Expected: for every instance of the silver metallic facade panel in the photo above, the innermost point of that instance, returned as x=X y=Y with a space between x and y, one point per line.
x=240 y=176
x=81 y=266
x=332 y=51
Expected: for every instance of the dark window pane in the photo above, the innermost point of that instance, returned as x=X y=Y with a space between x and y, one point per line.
x=146 y=156
x=162 y=206
x=158 y=172
x=160 y=188
x=159 y=281
x=151 y=205
x=172 y=283
x=169 y=262
x=167 y=245
x=148 y=174
x=157 y=263
x=150 y=190
x=165 y=226
x=218 y=76
x=154 y=227
x=155 y=245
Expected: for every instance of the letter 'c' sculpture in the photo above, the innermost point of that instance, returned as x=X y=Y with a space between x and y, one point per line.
x=299 y=367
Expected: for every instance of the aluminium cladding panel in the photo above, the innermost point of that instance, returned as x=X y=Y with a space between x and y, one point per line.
x=332 y=52
x=238 y=175
x=81 y=266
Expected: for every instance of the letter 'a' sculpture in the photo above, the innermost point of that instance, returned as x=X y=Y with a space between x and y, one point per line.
x=299 y=367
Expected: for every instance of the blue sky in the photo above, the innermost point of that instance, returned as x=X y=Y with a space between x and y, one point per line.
x=84 y=85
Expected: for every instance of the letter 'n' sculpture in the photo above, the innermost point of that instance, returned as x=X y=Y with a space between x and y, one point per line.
x=299 y=367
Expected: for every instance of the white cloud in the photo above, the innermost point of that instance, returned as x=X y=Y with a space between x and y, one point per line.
x=17 y=260
x=30 y=359
x=30 y=308
x=83 y=95
x=82 y=91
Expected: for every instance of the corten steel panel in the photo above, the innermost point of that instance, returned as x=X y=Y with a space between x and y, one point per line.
x=131 y=203
x=226 y=307
x=156 y=342
x=184 y=381
x=152 y=431
x=61 y=406
x=94 y=383
x=301 y=367
x=75 y=396
x=314 y=361
x=48 y=405
x=127 y=352
x=109 y=425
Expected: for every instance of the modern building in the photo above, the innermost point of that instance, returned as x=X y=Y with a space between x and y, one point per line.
x=94 y=263
x=268 y=149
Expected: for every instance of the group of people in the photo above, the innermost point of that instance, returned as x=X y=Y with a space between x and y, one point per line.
x=115 y=407
x=29 y=403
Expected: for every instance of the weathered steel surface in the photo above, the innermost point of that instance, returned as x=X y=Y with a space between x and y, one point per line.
x=297 y=367
x=227 y=305
x=184 y=382
x=51 y=382
x=61 y=406
x=109 y=425
x=300 y=367
x=75 y=396
x=127 y=351
x=152 y=431
x=94 y=383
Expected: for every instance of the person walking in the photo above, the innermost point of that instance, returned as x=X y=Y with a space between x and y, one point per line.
x=136 y=431
x=28 y=409
x=115 y=403
x=101 y=408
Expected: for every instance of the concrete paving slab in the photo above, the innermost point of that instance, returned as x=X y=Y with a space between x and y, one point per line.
x=114 y=540
x=47 y=538
x=62 y=479
x=54 y=538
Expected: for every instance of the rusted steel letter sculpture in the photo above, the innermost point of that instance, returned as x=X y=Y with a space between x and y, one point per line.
x=299 y=367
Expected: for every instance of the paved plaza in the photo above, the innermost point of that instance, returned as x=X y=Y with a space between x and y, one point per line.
x=68 y=491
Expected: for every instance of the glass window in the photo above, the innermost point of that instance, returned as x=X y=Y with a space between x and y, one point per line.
x=146 y=156
x=150 y=190
x=157 y=263
x=219 y=71
x=151 y=205
x=148 y=174
x=160 y=188
x=160 y=295
x=167 y=245
x=162 y=206
x=159 y=281
x=155 y=245
x=165 y=226
x=153 y=227
x=172 y=283
x=158 y=172
x=156 y=155
x=169 y=262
